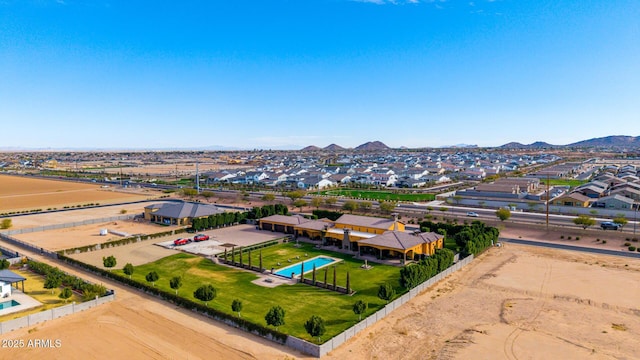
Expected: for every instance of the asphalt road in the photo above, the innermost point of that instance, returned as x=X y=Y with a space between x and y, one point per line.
x=623 y=252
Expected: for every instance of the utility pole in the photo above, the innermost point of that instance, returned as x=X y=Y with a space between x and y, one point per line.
x=548 y=199
x=197 y=178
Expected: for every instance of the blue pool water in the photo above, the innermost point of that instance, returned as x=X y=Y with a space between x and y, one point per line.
x=308 y=266
x=8 y=304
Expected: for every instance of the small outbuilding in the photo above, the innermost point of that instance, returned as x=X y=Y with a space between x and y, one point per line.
x=7 y=279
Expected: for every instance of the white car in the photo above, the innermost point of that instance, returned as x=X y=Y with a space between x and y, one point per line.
x=472 y=214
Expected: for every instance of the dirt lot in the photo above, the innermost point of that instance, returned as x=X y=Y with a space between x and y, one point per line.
x=24 y=193
x=70 y=216
x=516 y=302
x=60 y=239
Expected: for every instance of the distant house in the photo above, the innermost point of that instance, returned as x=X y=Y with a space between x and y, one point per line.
x=573 y=199
x=591 y=191
x=617 y=202
x=180 y=214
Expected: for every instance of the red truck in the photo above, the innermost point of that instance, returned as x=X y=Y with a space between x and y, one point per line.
x=201 y=237
x=181 y=241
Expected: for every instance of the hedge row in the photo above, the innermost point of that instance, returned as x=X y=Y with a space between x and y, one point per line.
x=413 y=275
x=185 y=303
x=88 y=290
x=119 y=242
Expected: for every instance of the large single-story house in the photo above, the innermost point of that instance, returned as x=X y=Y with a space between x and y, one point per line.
x=180 y=213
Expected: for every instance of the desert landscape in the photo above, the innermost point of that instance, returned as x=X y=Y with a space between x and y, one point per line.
x=19 y=193
x=512 y=302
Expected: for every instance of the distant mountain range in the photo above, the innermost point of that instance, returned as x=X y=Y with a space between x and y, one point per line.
x=614 y=141
x=368 y=146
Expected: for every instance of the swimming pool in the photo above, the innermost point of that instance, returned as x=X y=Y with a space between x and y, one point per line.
x=319 y=262
x=8 y=304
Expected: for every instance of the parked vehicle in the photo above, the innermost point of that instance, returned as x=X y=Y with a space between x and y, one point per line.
x=201 y=237
x=181 y=241
x=608 y=225
x=472 y=214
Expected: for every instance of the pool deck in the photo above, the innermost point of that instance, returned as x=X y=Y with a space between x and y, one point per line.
x=26 y=302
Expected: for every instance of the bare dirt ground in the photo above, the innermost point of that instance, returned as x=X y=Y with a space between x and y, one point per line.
x=23 y=193
x=516 y=302
x=66 y=238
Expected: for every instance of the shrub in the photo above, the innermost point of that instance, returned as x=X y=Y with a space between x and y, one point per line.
x=634 y=239
x=577 y=237
x=604 y=241
x=561 y=236
x=632 y=248
x=568 y=237
x=627 y=244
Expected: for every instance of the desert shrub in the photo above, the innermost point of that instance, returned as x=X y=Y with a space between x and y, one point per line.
x=632 y=248
x=627 y=244
x=561 y=236
x=604 y=241
x=568 y=237
x=634 y=239
x=577 y=237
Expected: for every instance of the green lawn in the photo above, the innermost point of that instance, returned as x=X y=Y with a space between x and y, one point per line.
x=380 y=195
x=299 y=301
x=34 y=287
x=563 y=182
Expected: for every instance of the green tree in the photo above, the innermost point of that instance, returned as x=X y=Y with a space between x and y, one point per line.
x=359 y=308
x=236 y=306
x=350 y=205
x=295 y=195
x=330 y=201
x=275 y=316
x=300 y=203
x=386 y=292
x=268 y=197
x=4 y=264
x=128 y=269
x=152 y=277
x=584 y=220
x=620 y=220
x=316 y=202
x=503 y=214
x=52 y=281
x=387 y=206
x=5 y=224
x=189 y=192
x=175 y=283
x=109 y=261
x=365 y=206
x=205 y=293
x=65 y=294
x=315 y=326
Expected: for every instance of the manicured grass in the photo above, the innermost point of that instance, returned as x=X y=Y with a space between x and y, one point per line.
x=34 y=287
x=563 y=182
x=299 y=301
x=380 y=195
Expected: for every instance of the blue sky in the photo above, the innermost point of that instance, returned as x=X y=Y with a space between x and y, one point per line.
x=290 y=73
